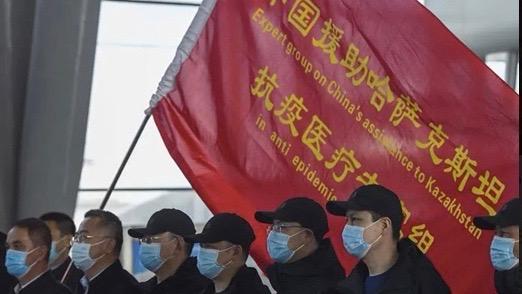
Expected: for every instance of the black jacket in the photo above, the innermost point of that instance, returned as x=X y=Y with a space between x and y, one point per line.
x=73 y=275
x=310 y=275
x=413 y=273
x=186 y=280
x=113 y=280
x=45 y=284
x=7 y=282
x=246 y=281
x=508 y=282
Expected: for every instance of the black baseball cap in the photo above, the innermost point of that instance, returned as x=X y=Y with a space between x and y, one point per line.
x=305 y=211
x=507 y=216
x=228 y=227
x=375 y=198
x=166 y=220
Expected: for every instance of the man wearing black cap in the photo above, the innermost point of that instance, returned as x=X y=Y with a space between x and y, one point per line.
x=164 y=252
x=387 y=265
x=304 y=261
x=505 y=246
x=225 y=243
x=7 y=282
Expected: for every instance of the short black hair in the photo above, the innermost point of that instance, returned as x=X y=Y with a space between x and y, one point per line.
x=65 y=223
x=38 y=232
x=396 y=230
x=111 y=222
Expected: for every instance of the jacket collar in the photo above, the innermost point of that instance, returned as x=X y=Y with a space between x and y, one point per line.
x=316 y=263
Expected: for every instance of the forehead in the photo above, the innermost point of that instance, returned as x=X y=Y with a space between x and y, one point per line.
x=358 y=213
x=162 y=235
x=512 y=230
x=217 y=245
x=18 y=235
x=90 y=225
x=53 y=227
x=277 y=222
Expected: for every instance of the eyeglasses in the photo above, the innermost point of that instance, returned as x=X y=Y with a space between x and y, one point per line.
x=280 y=227
x=83 y=238
x=156 y=239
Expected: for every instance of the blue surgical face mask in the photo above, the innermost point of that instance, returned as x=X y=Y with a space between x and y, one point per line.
x=208 y=262
x=15 y=262
x=195 y=250
x=277 y=245
x=81 y=257
x=150 y=256
x=353 y=240
x=53 y=253
x=501 y=253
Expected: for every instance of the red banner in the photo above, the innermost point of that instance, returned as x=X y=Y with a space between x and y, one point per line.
x=278 y=98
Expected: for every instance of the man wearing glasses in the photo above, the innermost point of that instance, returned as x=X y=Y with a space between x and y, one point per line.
x=28 y=244
x=225 y=244
x=305 y=261
x=95 y=251
x=164 y=252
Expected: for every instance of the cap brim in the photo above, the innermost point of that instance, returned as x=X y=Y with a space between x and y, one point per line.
x=137 y=233
x=487 y=222
x=266 y=217
x=340 y=208
x=201 y=238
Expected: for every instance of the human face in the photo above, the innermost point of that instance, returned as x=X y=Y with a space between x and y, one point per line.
x=227 y=251
x=169 y=243
x=298 y=234
x=19 y=239
x=373 y=228
x=62 y=241
x=91 y=232
x=510 y=232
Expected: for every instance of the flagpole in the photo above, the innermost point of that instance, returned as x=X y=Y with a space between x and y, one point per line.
x=125 y=159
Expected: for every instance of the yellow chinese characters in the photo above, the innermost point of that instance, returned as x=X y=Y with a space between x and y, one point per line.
x=356 y=66
x=315 y=135
x=436 y=139
x=273 y=2
x=290 y=111
x=492 y=188
x=421 y=236
x=347 y=158
x=303 y=16
x=264 y=85
x=330 y=40
x=367 y=179
x=405 y=108
x=461 y=166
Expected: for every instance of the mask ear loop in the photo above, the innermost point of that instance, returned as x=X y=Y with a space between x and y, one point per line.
x=378 y=238
x=29 y=267
x=302 y=245
x=99 y=257
x=230 y=261
x=64 y=249
x=166 y=259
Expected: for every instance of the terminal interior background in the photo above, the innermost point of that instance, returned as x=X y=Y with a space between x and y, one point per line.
x=76 y=77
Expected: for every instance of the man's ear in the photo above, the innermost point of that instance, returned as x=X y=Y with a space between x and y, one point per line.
x=387 y=223
x=40 y=253
x=109 y=246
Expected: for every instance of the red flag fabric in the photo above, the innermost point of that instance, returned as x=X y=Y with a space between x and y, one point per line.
x=269 y=99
